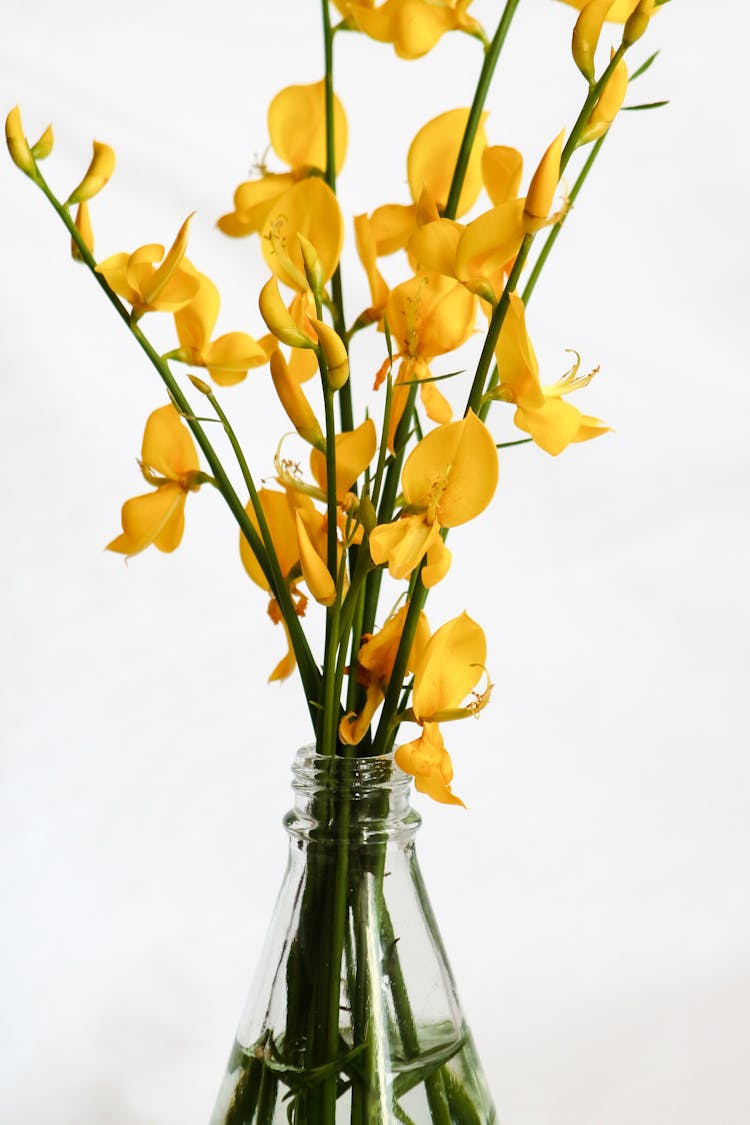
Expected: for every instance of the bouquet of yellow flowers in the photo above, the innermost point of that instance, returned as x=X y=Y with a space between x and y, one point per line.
x=354 y=1016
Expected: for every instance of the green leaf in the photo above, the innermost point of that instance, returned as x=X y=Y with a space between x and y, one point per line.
x=645 y=105
x=425 y=1064
x=430 y=379
x=508 y=444
x=644 y=66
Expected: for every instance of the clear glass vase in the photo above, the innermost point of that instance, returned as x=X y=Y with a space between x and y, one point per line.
x=353 y=1016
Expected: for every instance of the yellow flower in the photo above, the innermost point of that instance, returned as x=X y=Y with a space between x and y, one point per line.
x=297 y=128
x=228 y=358
x=149 y=287
x=279 y=511
x=412 y=26
x=355 y=450
x=428 y=316
x=449 y=478
x=375 y=661
x=169 y=462
x=540 y=411
x=97 y=174
x=450 y=666
x=309 y=208
x=618 y=12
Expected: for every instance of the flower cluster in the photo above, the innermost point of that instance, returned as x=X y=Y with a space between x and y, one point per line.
x=379 y=494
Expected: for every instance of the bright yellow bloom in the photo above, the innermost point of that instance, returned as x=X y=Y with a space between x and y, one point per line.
x=355 y=450
x=297 y=128
x=375 y=661
x=412 y=26
x=169 y=462
x=448 y=669
x=97 y=174
x=428 y=316
x=149 y=287
x=449 y=478
x=279 y=511
x=228 y=358
x=309 y=208
x=541 y=412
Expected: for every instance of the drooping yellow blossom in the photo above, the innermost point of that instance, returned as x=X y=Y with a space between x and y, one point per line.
x=150 y=287
x=449 y=478
x=450 y=666
x=412 y=26
x=295 y=403
x=228 y=358
x=428 y=316
x=541 y=412
x=312 y=546
x=279 y=511
x=608 y=105
x=311 y=209
x=375 y=661
x=97 y=175
x=297 y=128
x=169 y=462
x=430 y=161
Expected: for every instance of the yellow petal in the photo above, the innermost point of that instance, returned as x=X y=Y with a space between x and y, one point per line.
x=502 y=168
x=429 y=762
x=297 y=126
x=433 y=246
x=608 y=105
x=168 y=446
x=450 y=667
x=196 y=321
x=309 y=208
x=334 y=352
x=355 y=450
x=452 y=472
x=280 y=319
x=489 y=243
x=516 y=361
x=314 y=571
x=295 y=402
x=618 y=13
x=160 y=277
x=229 y=358
x=156 y=518
x=288 y=663
x=18 y=146
x=438 y=563
x=432 y=158
x=279 y=510
x=252 y=202
x=402 y=544
x=392 y=226
x=97 y=174
x=84 y=228
x=114 y=270
x=367 y=250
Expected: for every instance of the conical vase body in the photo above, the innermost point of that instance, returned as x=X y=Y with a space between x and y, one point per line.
x=353 y=1016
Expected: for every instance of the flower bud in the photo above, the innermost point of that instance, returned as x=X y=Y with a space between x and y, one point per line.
x=278 y=318
x=43 y=147
x=97 y=174
x=586 y=34
x=18 y=146
x=637 y=22
x=606 y=109
x=368 y=517
x=295 y=403
x=313 y=268
x=334 y=353
x=543 y=187
x=200 y=384
x=314 y=571
x=84 y=228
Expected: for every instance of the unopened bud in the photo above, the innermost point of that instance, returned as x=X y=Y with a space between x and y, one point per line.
x=368 y=517
x=543 y=187
x=313 y=268
x=607 y=108
x=97 y=174
x=200 y=384
x=18 y=146
x=43 y=147
x=637 y=23
x=586 y=34
x=86 y=231
x=278 y=318
x=295 y=403
x=334 y=353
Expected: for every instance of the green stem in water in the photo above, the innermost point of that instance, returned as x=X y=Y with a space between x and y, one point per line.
x=475 y=113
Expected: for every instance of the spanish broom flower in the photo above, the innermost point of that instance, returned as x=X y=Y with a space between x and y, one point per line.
x=541 y=412
x=297 y=129
x=169 y=463
x=449 y=478
x=447 y=671
x=149 y=286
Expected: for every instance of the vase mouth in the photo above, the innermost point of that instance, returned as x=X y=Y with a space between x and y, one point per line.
x=362 y=798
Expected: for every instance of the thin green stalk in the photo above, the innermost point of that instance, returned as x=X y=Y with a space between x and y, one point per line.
x=500 y=310
x=309 y=673
x=475 y=114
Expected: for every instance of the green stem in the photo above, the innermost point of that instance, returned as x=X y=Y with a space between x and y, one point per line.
x=475 y=113
x=311 y=678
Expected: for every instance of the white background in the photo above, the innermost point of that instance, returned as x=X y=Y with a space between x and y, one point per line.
x=594 y=900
